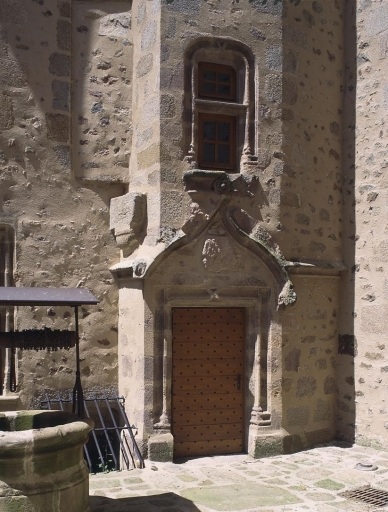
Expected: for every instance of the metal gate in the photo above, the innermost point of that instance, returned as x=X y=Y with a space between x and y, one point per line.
x=207 y=380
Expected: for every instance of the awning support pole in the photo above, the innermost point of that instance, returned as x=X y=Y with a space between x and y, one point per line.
x=78 y=397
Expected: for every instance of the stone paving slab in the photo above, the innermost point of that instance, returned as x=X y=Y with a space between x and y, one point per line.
x=308 y=481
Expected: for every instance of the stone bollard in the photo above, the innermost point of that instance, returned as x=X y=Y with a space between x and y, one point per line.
x=42 y=467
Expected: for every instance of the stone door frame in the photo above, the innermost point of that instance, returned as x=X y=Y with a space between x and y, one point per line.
x=262 y=327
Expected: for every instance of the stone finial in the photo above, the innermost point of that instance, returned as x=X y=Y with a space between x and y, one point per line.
x=128 y=218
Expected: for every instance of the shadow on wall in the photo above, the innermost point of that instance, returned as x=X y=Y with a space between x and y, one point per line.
x=166 y=501
x=316 y=187
x=347 y=343
x=38 y=80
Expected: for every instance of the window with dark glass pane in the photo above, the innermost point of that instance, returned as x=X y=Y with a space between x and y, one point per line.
x=216 y=81
x=209 y=130
x=216 y=141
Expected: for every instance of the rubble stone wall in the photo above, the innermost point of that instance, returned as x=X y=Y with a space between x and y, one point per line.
x=61 y=222
x=364 y=315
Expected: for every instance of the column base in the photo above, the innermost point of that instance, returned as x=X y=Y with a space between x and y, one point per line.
x=265 y=442
x=161 y=447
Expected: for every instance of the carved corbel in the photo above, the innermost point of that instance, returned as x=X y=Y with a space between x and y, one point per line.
x=128 y=219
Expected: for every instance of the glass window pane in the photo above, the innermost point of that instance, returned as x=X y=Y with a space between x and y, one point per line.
x=209 y=75
x=208 y=88
x=209 y=130
x=223 y=90
x=223 y=132
x=216 y=81
x=223 y=154
x=209 y=153
x=223 y=77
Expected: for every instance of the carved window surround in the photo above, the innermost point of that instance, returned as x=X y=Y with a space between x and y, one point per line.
x=237 y=56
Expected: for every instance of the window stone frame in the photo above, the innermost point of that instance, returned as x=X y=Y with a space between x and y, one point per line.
x=238 y=56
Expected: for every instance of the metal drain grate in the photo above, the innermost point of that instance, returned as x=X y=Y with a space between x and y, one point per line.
x=369 y=495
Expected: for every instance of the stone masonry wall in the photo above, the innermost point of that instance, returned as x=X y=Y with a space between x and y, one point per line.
x=365 y=224
x=61 y=223
x=101 y=90
x=310 y=334
x=144 y=172
x=307 y=180
x=306 y=186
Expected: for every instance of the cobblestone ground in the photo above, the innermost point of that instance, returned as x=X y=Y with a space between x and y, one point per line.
x=313 y=480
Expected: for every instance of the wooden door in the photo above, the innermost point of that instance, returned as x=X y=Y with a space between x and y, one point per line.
x=207 y=380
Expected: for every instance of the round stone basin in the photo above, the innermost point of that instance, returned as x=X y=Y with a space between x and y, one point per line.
x=42 y=467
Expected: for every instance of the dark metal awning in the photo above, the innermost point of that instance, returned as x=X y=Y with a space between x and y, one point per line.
x=74 y=297
x=23 y=296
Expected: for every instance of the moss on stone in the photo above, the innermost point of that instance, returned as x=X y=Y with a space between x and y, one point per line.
x=329 y=484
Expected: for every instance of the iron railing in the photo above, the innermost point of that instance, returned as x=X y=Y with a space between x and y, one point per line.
x=112 y=445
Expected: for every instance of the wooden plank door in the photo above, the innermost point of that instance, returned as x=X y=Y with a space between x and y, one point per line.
x=207 y=380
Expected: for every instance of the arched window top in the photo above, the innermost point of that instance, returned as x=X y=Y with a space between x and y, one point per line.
x=230 y=54
x=229 y=50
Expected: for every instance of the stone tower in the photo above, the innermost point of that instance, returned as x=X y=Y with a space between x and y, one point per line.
x=233 y=210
